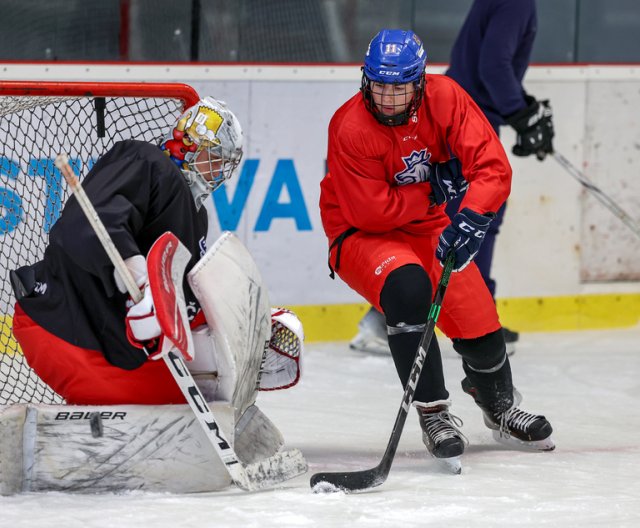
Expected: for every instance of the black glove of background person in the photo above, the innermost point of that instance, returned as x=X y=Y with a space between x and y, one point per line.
x=534 y=127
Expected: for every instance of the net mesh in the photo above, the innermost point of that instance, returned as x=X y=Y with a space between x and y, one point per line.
x=34 y=129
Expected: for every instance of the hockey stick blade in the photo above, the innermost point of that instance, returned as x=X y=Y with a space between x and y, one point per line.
x=348 y=482
x=369 y=478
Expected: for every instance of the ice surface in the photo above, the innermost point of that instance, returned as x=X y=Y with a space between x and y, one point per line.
x=586 y=383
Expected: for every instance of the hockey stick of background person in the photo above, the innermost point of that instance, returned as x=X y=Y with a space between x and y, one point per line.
x=369 y=478
x=269 y=472
x=598 y=193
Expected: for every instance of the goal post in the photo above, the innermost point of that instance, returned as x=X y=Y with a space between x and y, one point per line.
x=38 y=120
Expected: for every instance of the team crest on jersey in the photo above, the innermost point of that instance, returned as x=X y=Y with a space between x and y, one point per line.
x=417 y=168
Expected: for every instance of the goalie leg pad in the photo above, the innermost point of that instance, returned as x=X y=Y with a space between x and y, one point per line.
x=228 y=285
x=256 y=437
x=134 y=447
x=204 y=367
x=12 y=420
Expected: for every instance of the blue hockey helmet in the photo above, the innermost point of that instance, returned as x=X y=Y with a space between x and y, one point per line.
x=394 y=56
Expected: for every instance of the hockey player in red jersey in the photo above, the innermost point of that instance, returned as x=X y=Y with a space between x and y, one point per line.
x=73 y=319
x=396 y=154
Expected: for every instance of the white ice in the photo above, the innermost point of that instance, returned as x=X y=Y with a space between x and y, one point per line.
x=586 y=383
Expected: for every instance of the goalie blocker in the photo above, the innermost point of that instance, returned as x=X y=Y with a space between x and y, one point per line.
x=241 y=349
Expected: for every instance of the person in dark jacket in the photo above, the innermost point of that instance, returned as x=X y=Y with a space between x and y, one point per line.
x=73 y=317
x=489 y=59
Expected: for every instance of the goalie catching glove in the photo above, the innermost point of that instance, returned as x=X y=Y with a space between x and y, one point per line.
x=281 y=367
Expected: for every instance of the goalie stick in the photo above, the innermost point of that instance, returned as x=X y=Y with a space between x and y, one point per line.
x=167 y=275
x=598 y=193
x=370 y=478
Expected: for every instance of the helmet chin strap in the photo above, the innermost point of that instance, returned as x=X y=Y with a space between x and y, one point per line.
x=200 y=190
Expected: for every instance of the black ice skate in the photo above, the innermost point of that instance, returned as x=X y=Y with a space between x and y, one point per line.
x=441 y=433
x=515 y=427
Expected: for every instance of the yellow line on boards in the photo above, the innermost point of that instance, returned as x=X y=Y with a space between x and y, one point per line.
x=339 y=322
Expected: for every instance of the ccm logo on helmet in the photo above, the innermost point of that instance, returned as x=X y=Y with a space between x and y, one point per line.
x=390 y=73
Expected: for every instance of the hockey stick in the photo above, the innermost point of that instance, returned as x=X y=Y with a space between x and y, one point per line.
x=271 y=471
x=369 y=478
x=598 y=193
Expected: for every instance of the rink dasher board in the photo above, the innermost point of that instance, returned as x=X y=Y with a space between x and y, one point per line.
x=110 y=448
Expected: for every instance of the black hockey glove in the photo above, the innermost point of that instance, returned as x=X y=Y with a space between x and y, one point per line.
x=465 y=234
x=447 y=181
x=534 y=128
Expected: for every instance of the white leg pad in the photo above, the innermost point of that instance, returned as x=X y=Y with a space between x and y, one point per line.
x=93 y=449
x=257 y=437
x=235 y=302
x=11 y=425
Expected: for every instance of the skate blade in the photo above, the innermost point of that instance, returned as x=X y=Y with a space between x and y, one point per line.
x=450 y=465
x=534 y=445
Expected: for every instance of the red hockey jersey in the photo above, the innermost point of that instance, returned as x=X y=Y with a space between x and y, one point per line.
x=375 y=171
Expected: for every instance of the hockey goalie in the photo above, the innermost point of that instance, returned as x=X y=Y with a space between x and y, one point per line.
x=126 y=424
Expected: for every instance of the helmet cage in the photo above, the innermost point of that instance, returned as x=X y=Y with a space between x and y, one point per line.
x=216 y=163
x=402 y=117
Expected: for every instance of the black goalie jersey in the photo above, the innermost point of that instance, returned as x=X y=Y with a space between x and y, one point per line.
x=139 y=193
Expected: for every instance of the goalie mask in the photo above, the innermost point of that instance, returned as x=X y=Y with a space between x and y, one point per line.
x=206 y=144
x=281 y=366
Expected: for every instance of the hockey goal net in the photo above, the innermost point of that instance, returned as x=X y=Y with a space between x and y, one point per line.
x=38 y=120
